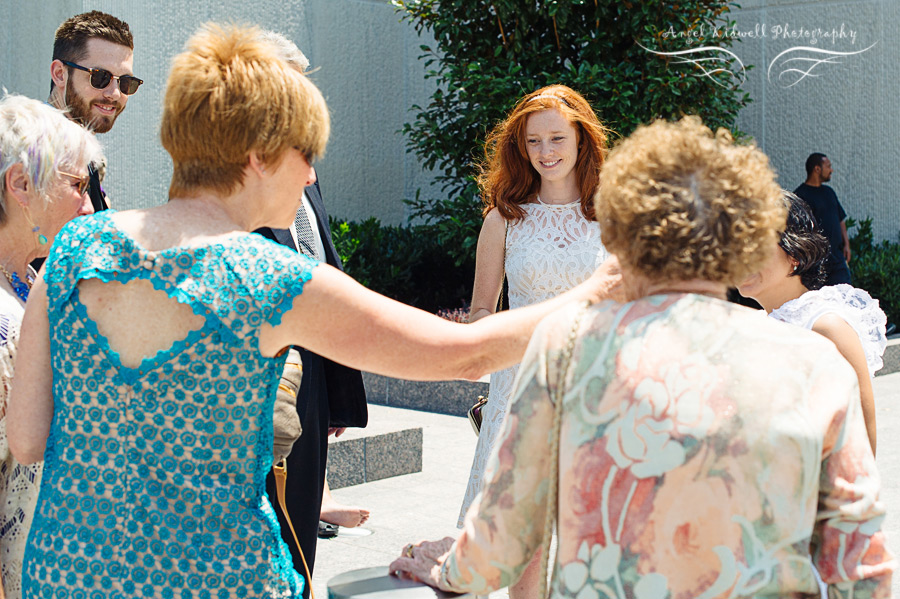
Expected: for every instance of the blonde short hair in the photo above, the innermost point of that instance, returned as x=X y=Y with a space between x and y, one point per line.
x=231 y=93
x=678 y=203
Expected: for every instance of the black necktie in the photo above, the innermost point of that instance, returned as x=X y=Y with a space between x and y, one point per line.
x=305 y=237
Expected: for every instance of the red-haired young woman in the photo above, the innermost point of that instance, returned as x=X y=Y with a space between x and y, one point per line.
x=538 y=182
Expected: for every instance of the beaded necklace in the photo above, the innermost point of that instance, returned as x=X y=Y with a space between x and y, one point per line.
x=20 y=287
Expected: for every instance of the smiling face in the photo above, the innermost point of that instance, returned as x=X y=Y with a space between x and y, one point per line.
x=552 y=145
x=97 y=109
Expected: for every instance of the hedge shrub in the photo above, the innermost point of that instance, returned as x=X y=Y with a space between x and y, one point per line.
x=875 y=267
x=488 y=53
x=406 y=263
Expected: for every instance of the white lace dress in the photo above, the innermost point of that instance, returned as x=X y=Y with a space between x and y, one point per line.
x=856 y=307
x=551 y=250
x=18 y=484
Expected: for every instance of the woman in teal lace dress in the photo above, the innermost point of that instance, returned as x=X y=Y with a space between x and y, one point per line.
x=153 y=342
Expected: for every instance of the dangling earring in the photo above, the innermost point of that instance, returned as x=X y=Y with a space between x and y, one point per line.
x=42 y=239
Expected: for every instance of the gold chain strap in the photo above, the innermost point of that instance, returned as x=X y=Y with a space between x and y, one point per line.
x=554 y=450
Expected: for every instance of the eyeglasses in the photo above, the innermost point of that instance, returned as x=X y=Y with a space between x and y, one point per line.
x=83 y=182
x=101 y=78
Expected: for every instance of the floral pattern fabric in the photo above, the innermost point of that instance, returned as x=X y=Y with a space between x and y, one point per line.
x=703 y=452
x=154 y=476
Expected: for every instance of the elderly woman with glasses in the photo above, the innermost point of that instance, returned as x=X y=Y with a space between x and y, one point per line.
x=157 y=338
x=43 y=181
x=683 y=446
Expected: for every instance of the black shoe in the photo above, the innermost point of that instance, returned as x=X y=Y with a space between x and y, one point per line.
x=327 y=530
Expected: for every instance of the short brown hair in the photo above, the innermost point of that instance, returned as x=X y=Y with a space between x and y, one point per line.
x=228 y=94
x=508 y=180
x=678 y=203
x=72 y=36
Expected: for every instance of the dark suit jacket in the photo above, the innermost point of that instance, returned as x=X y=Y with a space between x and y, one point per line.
x=346 y=392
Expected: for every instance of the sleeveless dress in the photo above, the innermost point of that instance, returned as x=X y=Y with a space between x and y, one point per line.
x=18 y=482
x=855 y=306
x=154 y=477
x=551 y=250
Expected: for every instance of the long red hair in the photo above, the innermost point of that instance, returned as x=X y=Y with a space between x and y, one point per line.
x=507 y=180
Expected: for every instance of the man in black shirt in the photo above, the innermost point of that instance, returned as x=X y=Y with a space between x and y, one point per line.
x=829 y=215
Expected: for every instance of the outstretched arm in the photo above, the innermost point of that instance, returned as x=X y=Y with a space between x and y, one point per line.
x=338 y=318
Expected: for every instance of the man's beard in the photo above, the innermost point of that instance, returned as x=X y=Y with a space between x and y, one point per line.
x=80 y=112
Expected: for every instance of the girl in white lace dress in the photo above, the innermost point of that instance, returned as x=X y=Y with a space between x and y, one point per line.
x=43 y=167
x=790 y=289
x=542 y=169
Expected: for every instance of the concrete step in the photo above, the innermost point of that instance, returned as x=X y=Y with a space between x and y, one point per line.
x=445 y=397
x=891 y=357
x=386 y=447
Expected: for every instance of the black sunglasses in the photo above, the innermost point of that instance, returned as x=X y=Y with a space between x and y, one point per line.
x=100 y=78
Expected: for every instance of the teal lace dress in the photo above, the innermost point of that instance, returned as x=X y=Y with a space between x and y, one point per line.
x=154 y=477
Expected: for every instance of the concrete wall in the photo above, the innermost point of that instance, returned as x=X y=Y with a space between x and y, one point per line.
x=847 y=109
x=368 y=72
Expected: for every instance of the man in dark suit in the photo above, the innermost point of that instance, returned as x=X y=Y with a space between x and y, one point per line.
x=331 y=396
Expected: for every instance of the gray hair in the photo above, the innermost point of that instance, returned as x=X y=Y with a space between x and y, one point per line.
x=287 y=50
x=42 y=140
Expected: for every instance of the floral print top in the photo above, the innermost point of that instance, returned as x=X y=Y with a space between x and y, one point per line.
x=703 y=452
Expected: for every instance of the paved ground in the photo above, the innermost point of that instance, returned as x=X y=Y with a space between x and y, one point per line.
x=425 y=505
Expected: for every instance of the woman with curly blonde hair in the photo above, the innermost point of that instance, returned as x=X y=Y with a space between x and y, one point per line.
x=681 y=446
x=541 y=172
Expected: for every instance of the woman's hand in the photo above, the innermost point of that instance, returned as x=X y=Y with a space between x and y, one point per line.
x=606 y=282
x=422 y=562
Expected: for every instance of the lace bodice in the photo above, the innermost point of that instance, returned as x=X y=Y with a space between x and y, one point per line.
x=154 y=476
x=855 y=306
x=551 y=250
x=18 y=483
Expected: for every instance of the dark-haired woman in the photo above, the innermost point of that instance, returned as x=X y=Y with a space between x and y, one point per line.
x=790 y=289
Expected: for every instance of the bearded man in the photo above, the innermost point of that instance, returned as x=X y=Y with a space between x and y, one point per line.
x=91 y=77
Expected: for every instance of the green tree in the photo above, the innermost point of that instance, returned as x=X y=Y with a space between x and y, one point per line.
x=488 y=54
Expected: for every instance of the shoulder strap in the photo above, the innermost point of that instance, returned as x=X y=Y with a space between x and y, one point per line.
x=280 y=472
x=553 y=495
x=503 y=277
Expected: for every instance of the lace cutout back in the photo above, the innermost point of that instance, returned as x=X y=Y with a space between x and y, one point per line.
x=154 y=473
x=551 y=250
x=133 y=317
x=855 y=306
